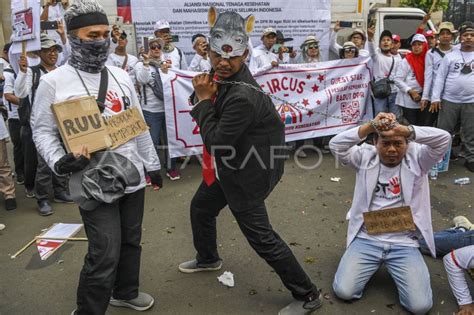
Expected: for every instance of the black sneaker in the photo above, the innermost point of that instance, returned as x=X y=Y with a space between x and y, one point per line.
x=63 y=197
x=10 y=204
x=29 y=193
x=44 y=208
x=469 y=166
x=20 y=179
x=303 y=307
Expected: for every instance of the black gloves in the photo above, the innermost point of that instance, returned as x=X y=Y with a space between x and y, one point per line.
x=156 y=179
x=70 y=164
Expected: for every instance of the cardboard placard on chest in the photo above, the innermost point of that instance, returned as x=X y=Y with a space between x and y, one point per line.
x=391 y=220
x=80 y=123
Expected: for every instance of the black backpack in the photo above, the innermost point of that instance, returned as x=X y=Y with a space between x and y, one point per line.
x=24 y=109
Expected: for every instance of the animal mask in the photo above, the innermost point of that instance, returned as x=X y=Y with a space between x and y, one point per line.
x=229 y=32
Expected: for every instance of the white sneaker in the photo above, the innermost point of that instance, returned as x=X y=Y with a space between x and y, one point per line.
x=462 y=221
x=2 y=226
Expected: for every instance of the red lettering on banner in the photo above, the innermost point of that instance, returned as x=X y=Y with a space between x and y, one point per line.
x=196 y=128
x=275 y=85
x=283 y=86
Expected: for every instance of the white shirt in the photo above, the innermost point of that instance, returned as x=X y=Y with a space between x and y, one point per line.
x=117 y=61
x=177 y=60
x=146 y=78
x=432 y=62
x=53 y=89
x=24 y=83
x=450 y=83
x=261 y=59
x=405 y=80
x=199 y=64
x=55 y=12
x=387 y=195
x=382 y=64
x=455 y=269
x=8 y=87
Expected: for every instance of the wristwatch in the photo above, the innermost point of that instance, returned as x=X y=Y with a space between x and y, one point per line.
x=412 y=135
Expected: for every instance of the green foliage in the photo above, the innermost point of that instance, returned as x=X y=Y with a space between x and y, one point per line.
x=425 y=5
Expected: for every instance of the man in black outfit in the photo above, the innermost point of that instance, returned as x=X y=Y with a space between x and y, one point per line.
x=244 y=140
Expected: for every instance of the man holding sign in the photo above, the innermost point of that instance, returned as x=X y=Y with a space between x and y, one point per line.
x=391 y=207
x=111 y=205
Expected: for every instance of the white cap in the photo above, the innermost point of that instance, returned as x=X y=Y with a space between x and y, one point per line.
x=269 y=30
x=418 y=38
x=161 y=24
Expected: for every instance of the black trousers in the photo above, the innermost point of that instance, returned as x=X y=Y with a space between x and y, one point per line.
x=112 y=262
x=30 y=156
x=45 y=178
x=206 y=204
x=419 y=118
x=18 y=157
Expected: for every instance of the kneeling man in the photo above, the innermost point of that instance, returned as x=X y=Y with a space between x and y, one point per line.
x=391 y=178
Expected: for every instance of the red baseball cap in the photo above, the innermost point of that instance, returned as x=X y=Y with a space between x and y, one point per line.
x=396 y=37
x=429 y=34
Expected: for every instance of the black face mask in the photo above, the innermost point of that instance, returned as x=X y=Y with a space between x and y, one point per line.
x=88 y=55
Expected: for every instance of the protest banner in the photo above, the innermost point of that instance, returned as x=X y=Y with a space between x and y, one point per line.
x=330 y=97
x=296 y=19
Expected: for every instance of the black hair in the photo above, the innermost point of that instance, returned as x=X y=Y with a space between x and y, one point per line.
x=6 y=48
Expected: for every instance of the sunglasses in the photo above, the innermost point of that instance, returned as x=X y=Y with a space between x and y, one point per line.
x=313 y=47
x=350 y=50
x=155 y=46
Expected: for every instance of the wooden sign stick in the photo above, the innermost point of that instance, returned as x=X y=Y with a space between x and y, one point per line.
x=48 y=238
x=23 y=249
x=62 y=238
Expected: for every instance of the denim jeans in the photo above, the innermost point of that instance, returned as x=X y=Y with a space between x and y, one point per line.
x=157 y=124
x=386 y=105
x=447 y=240
x=405 y=264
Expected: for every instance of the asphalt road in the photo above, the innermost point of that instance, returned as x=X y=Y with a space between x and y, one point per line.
x=307 y=209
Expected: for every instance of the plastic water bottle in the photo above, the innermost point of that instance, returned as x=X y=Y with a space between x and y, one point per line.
x=462 y=181
x=434 y=172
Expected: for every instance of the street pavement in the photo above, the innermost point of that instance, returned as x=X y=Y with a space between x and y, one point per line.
x=307 y=209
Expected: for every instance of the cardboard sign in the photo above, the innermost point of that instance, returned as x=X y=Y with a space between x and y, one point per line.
x=389 y=221
x=80 y=123
x=125 y=126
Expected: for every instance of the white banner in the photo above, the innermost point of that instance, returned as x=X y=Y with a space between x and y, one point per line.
x=296 y=19
x=331 y=97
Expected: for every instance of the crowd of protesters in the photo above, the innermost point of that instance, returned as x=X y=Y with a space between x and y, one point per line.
x=430 y=86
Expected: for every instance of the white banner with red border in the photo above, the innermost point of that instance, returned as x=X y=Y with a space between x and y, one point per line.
x=330 y=97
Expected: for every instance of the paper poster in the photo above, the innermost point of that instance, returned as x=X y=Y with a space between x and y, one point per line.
x=59 y=232
x=22 y=25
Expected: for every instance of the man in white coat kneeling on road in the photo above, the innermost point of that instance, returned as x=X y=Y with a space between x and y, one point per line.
x=391 y=207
